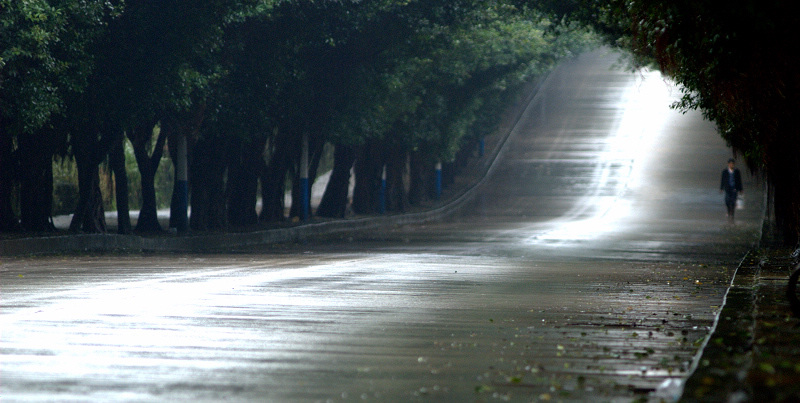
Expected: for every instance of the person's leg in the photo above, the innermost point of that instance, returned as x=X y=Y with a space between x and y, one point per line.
x=730 y=203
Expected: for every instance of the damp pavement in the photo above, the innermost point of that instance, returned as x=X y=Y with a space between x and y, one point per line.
x=593 y=263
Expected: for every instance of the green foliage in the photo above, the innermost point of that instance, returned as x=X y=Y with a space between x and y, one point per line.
x=413 y=74
x=454 y=74
x=43 y=56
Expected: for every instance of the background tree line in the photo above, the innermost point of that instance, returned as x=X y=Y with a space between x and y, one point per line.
x=736 y=63
x=395 y=83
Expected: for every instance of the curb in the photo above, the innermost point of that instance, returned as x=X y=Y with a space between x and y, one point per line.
x=721 y=368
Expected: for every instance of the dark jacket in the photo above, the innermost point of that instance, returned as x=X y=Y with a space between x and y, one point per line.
x=725 y=181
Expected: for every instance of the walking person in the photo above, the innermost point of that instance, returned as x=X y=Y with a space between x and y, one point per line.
x=731 y=184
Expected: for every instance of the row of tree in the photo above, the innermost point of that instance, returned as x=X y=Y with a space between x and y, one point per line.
x=736 y=62
x=399 y=84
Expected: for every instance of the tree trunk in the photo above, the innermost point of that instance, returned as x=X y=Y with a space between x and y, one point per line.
x=116 y=161
x=89 y=152
x=787 y=207
x=397 y=198
x=417 y=192
x=8 y=220
x=242 y=193
x=315 y=154
x=172 y=140
x=173 y=201
x=273 y=181
x=36 y=183
x=368 y=169
x=783 y=172
x=89 y=216
x=185 y=132
x=148 y=215
x=201 y=203
x=148 y=166
x=272 y=192
x=334 y=200
x=207 y=176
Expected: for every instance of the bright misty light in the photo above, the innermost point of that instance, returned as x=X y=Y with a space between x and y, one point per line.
x=623 y=166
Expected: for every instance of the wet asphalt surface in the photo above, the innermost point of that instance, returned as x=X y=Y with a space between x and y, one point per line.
x=589 y=268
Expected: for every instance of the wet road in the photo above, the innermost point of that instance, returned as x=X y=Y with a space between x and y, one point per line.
x=589 y=268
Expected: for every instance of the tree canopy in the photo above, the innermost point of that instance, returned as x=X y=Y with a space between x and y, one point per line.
x=245 y=81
